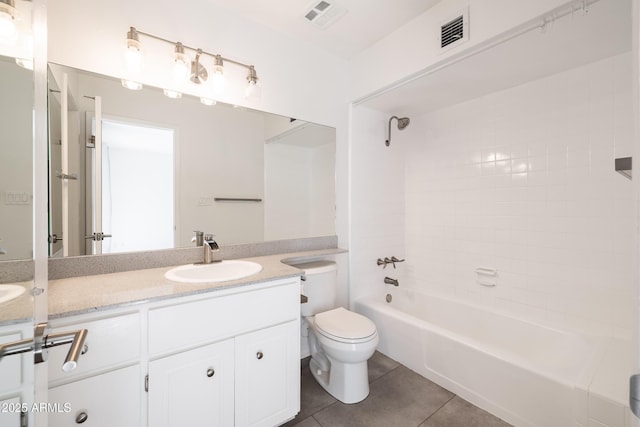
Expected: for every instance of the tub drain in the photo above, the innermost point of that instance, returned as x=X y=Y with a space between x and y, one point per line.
x=389 y=298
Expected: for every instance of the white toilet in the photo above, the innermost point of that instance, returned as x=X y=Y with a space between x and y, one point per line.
x=340 y=341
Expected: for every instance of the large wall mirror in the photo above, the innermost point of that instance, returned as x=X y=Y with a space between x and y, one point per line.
x=134 y=170
x=16 y=159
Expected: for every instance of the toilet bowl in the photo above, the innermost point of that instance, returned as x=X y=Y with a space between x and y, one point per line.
x=341 y=342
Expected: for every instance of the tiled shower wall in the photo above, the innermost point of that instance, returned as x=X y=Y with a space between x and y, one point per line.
x=523 y=181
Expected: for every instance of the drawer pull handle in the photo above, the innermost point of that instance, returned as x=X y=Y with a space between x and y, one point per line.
x=259 y=355
x=81 y=417
x=210 y=372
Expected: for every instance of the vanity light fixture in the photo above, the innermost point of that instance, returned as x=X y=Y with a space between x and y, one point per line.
x=130 y=84
x=180 y=64
x=8 y=28
x=199 y=73
x=133 y=51
x=208 y=102
x=196 y=70
x=252 y=83
x=173 y=94
x=218 y=74
x=25 y=63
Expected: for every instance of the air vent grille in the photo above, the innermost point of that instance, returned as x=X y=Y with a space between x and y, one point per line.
x=452 y=31
x=322 y=14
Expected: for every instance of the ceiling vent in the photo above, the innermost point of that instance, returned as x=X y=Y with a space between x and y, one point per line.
x=323 y=14
x=455 y=30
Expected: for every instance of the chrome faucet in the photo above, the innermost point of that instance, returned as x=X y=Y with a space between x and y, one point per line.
x=210 y=246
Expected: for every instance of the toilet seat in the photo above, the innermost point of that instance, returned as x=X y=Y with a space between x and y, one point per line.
x=344 y=326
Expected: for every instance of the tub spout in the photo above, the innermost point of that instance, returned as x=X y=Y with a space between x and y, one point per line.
x=390 y=281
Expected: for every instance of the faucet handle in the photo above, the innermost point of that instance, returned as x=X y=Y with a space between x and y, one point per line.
x=198 y=238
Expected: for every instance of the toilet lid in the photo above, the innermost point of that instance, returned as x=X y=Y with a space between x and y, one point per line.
x=344 y=324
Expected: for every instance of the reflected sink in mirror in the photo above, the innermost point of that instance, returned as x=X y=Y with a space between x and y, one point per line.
x=215 y=272
x=10 y=292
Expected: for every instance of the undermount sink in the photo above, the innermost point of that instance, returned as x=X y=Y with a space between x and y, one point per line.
x=215 y=272
x=9 y=292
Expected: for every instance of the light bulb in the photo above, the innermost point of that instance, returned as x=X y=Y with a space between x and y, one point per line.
x=218 y=75
x=207 y=101
x=25 y=63
x=129 y=84
x=249 y=90
x=252 y=90
x=8 y=29
x=181 y=64
x=133 y=51
x=173 y=94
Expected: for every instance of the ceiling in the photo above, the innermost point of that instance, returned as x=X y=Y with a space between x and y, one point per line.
x=572 y=41
x=365 y=22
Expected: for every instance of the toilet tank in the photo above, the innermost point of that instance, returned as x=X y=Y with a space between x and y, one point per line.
x=320 y=286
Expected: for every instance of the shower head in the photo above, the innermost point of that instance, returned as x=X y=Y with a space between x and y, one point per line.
x=403 y=122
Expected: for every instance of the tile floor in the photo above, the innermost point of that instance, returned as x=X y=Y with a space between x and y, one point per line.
x=399 y=398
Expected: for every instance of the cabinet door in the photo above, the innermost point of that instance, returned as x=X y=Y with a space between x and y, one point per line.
x=268 y=375
x=194 y=388
x=111 y=399
x=10 y=412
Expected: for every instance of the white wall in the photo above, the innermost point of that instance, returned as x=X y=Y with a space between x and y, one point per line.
x=299 y=190
x=414 y=47
x=521 y=180
x=377 y=202
x=322 y=189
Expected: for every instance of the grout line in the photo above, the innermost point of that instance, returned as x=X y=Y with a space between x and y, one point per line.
x=386 y=373
x=436 y=411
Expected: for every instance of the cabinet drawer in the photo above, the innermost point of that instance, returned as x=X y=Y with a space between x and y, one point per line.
x=110 y=342
x=214 y=319
x=111 y=399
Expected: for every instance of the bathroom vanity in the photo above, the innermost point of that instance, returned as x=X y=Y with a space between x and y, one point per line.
x=227 y=353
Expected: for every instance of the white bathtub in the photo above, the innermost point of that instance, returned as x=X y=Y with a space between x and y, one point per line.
x=526 y=374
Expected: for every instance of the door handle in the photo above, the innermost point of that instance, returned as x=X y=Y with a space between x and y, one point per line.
x=41 y=342
x=97 y=236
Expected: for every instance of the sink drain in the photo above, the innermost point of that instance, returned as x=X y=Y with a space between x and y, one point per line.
x=389 y=298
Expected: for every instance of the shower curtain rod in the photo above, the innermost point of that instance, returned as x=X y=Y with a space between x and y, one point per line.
x=555 y=14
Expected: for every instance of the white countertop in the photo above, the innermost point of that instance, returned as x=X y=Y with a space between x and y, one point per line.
x=79 y=295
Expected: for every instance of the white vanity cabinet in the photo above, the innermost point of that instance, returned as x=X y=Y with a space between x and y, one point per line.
x=247 y=341
x=267 y=383
x=10 y=412
x=109 y=399
x=15 y=376
x=193 y=388
x=229 y=357
x=106 y=388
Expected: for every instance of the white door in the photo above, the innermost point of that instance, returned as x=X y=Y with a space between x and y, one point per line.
x=137 y=186
x=131 y=197
x=267 y=375
x=194 y=388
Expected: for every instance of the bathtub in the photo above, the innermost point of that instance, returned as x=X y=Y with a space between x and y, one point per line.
x=526 y=374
